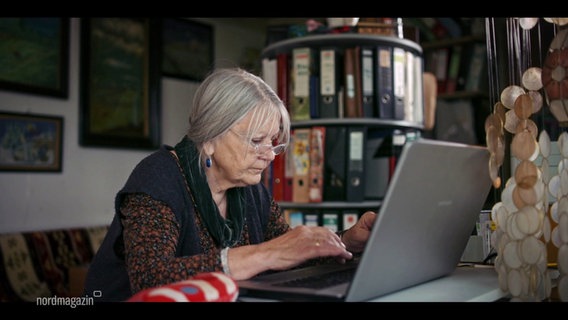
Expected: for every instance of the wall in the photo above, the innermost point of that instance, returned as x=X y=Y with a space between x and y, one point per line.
x=83 y=193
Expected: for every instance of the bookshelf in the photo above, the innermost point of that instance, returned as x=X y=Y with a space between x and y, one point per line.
x=363 y=177
x=458 y=59
x=470 y=55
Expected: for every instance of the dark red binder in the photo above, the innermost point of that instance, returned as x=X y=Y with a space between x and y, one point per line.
x=282 y=81
x=349 y=65
x=278 y=177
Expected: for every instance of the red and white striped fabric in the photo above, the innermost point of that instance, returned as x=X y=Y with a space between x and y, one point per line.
x=204 y=287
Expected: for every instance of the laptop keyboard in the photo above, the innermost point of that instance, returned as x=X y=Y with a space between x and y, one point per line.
x=320 y=281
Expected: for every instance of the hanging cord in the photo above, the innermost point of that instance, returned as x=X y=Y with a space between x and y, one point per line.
x=541 y=63
x=492 y=67
x=510 y=47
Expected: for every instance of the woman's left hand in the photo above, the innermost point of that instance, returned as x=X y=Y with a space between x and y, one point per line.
x=355 y=238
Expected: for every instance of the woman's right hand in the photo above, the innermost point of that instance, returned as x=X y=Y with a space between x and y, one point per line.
x=303 y=243
x=286 y=251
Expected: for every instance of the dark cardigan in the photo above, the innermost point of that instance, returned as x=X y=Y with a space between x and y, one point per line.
x=159 y=176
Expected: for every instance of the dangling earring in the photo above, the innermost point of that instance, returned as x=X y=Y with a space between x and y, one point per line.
x=208 y=162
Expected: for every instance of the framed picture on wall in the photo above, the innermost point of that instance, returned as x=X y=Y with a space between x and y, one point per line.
x=34 y=55
x=187 y=49
x=30 y=142
x=120 y=83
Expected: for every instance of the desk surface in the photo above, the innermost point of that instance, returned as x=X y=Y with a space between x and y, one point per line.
x=466 y=284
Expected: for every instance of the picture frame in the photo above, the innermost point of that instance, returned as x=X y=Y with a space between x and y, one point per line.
x=120 y=83
x=34 y=55
x=30 y=142
x=187 y=49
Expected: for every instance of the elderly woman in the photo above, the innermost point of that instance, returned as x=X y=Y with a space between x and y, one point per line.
x=200 y=206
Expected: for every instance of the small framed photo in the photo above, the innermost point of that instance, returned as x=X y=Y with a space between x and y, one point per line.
x=187 y=49
x=120 y=83
x=34 y=55
x=30 y=142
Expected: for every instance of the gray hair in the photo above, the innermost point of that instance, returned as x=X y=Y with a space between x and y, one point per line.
x=225 y=97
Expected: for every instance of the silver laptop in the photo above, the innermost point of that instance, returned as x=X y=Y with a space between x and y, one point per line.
x=422 y=228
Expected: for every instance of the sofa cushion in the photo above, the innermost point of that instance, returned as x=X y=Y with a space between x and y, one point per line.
x=36 y=264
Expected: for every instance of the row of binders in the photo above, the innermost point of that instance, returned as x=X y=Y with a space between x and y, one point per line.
x=334 y=219
x=461 y=67
x=374 y=81
x=345 y=163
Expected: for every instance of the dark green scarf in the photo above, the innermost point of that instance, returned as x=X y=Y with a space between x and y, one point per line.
x=225 y=232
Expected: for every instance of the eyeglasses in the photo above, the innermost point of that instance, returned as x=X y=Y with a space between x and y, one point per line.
x=263 y=148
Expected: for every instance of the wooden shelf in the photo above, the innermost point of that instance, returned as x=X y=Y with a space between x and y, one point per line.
x=372 y=122
x=331 y=205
